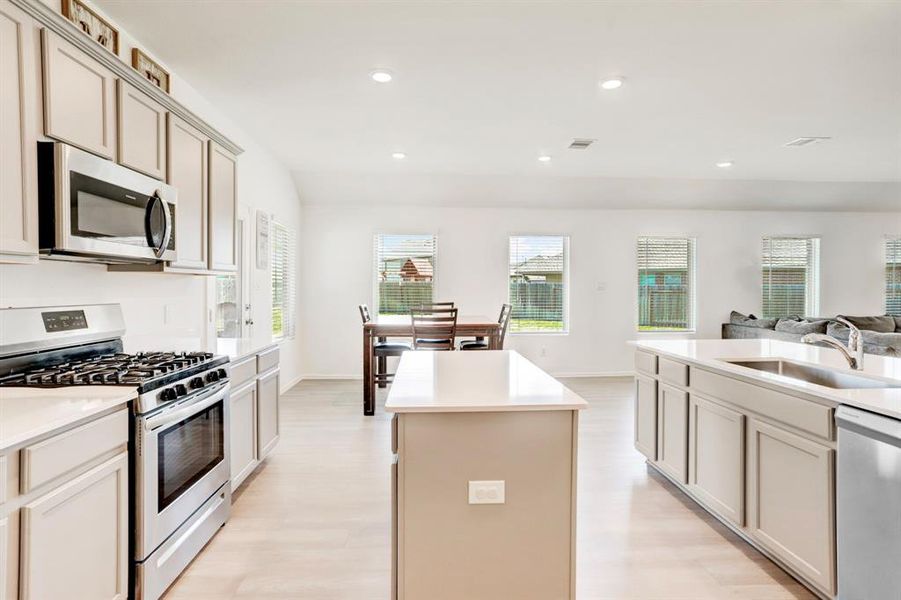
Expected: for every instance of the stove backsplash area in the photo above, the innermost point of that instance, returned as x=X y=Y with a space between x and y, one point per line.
x=163 y=311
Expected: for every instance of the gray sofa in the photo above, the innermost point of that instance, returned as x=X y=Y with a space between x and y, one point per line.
x=881 y=334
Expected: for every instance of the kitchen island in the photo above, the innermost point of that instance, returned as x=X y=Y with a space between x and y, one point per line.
x=484 y=478
x=746 y=428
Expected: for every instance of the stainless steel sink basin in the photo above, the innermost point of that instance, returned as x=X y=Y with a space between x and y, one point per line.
x=816 y=375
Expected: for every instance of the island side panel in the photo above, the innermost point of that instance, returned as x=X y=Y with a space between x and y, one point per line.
x=450 y=549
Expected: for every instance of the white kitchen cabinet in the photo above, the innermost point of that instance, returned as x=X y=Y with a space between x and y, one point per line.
x=79 y=97
x=791 y=500
x=716 y=457
x=267 y=415
x=223 y=209
x=243 y=435
x=75 y=537
x=672 y=431
x=646 y=416
x=19 y=126
x=188 y=171
x=5 y=559
x=142 y=131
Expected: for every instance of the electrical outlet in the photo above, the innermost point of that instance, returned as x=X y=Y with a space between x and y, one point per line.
x=487 y=492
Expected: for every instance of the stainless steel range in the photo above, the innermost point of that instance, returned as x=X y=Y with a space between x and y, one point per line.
x=179 y=477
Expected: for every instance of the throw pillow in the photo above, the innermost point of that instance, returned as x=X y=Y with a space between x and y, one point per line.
x=801 y=327
x=879 y=324
x=736 y=318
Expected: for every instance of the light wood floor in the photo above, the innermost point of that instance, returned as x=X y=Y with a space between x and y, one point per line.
x=312 y=522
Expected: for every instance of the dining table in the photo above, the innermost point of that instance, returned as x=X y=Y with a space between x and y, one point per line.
x=382 y=327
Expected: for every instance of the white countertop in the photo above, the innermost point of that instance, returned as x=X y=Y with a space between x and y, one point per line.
x=29 y=413
x=477 y=381
x=711 y=354
x=237 y=348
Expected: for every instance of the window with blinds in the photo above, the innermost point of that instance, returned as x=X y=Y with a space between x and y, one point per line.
x=283 y=272
x=404 y=272
x=893 y=276
x=791 y=273
x=538 y=283
x=666 y=284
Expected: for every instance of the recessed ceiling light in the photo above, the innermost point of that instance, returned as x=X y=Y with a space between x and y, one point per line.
x=612 y=84
x=381 y=76
x=544 y=158
x=398 y=155
x=725 y=164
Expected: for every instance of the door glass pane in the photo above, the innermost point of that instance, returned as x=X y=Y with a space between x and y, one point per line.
x=229 y=310
x=189 y=450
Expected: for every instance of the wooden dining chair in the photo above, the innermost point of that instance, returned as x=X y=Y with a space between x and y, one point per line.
x=434 y=328
x=481 y=343
x=382 y=349
x=430 y=305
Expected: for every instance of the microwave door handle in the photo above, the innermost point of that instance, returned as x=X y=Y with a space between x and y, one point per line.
x=167 y=227
x=185 y=411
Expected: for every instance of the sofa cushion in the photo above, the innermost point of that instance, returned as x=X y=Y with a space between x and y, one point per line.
x=736 y=318
x=897 y=322
x=875 y=323
x=802 y=327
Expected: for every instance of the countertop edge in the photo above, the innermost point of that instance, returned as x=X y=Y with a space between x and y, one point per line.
x=481 y=409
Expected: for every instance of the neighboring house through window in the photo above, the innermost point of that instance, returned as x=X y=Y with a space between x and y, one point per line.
x=537 y=283
x=791 y=276
x=404 y=272
x=666 y=283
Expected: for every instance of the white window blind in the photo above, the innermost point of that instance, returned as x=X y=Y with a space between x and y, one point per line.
x=893 y=276
x=791 y=272
x=538 y=283
x=283 y=271
x=404 y=272
x=666 y=284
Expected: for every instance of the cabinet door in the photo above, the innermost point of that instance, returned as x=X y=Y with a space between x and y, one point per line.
x=188 y=172
x=646 y=416
x=19 y=102
x=243 y=433
x=4 y=559
x=79 y=97
x=75 y=538
x=716 y=458
x=672 y=431
x=791 y=508
x=223 y=209
x=267 y=412
x=142 y=132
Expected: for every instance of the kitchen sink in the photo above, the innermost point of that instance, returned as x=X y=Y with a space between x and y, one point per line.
x=817 y=375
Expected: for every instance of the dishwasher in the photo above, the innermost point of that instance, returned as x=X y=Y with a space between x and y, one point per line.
x=868 y=511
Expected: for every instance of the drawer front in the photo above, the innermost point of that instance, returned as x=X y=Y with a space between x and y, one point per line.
x=243 y=370
x=673 y=372
x=805 y=415
x=60 y=454
x=645 y=362
x=267 y=359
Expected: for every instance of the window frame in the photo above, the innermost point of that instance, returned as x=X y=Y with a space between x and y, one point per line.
x=812 y=289
x=567 y=325
x=891 y=239
x=290 y=307
x=693 y=289
x=376 y=297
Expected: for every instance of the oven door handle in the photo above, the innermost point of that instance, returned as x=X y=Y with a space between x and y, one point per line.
x=186 y=410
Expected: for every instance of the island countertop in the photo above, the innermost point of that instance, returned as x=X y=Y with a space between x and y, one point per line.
x=29 y=413
x=482 y=381
x=713 y=354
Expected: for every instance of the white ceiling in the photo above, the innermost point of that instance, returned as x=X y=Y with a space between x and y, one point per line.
x=482 y=89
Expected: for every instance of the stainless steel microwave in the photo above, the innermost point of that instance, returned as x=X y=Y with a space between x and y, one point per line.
x=93 y=209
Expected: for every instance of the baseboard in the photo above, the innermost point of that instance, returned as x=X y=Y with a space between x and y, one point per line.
x=291 y=384
x=585 y=374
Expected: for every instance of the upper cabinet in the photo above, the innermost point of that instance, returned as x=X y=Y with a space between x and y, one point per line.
x=223 y=209
x=79 y=97
x=142 y=132
x=188 y=171
x=19 y=126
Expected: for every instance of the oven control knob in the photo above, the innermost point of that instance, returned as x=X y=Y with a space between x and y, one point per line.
x=196 y=383
x=180 y=389
x=223 y=374
x=167 y=394
x=212 y=377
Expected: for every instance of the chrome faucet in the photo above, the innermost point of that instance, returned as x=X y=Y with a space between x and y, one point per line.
x=853 y=353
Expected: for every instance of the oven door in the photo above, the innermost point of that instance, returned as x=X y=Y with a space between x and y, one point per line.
x=107 y=210
x=182 y=461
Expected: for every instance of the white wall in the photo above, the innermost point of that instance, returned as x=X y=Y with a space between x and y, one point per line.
x=164 y=311
x=336 y=254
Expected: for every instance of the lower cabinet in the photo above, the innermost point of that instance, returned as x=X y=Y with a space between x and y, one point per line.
x=267 y=416
x=646 y=416
x=716 y=458
x=243 y=433
x=791 y=500
x=672 y=431
x=74 y=538
x=7 y=565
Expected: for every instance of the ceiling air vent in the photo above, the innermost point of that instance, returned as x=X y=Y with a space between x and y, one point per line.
x=806 y=141
x=581 y=144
